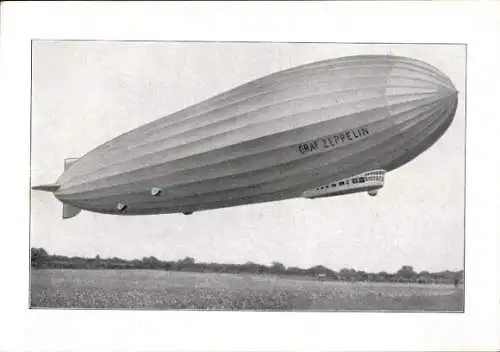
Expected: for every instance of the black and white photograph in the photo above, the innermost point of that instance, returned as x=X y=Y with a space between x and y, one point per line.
x=250 y=176
x=170 y=175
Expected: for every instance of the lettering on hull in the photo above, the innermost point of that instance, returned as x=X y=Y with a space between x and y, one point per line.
x=333 y=140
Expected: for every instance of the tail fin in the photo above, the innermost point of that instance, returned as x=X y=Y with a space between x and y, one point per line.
x=68 y=162
x=47 y=188
x=69 y=211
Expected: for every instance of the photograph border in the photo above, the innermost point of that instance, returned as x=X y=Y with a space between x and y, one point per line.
x=369 y=311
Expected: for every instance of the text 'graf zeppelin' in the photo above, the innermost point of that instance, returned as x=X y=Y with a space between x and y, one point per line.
x=333 y=140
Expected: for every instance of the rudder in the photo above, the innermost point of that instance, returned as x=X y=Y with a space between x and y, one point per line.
x=68 y=162
x=70 y=211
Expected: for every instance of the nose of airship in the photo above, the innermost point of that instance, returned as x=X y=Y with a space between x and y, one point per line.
x=412 y=81
x=449 y=89
x=422 y=75
x=423 y=101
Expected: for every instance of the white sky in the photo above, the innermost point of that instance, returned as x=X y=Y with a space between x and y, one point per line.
x=85 y=93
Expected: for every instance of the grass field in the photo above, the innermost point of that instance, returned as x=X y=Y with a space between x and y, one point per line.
x=155 y=289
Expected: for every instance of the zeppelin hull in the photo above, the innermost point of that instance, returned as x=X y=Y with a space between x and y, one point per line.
x=269 y=139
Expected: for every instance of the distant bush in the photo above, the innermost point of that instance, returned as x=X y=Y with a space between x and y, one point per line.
x=40 y=259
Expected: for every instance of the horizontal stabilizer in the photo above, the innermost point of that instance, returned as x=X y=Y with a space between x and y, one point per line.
x=48 y=188
x=69 y=211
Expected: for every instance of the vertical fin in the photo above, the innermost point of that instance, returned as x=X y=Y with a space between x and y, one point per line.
x=68 y=162
x=70 y=211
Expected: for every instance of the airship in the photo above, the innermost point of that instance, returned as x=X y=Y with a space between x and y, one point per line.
x=322 y=129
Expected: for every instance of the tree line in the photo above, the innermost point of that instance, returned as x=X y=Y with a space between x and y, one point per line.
x=40 y=259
